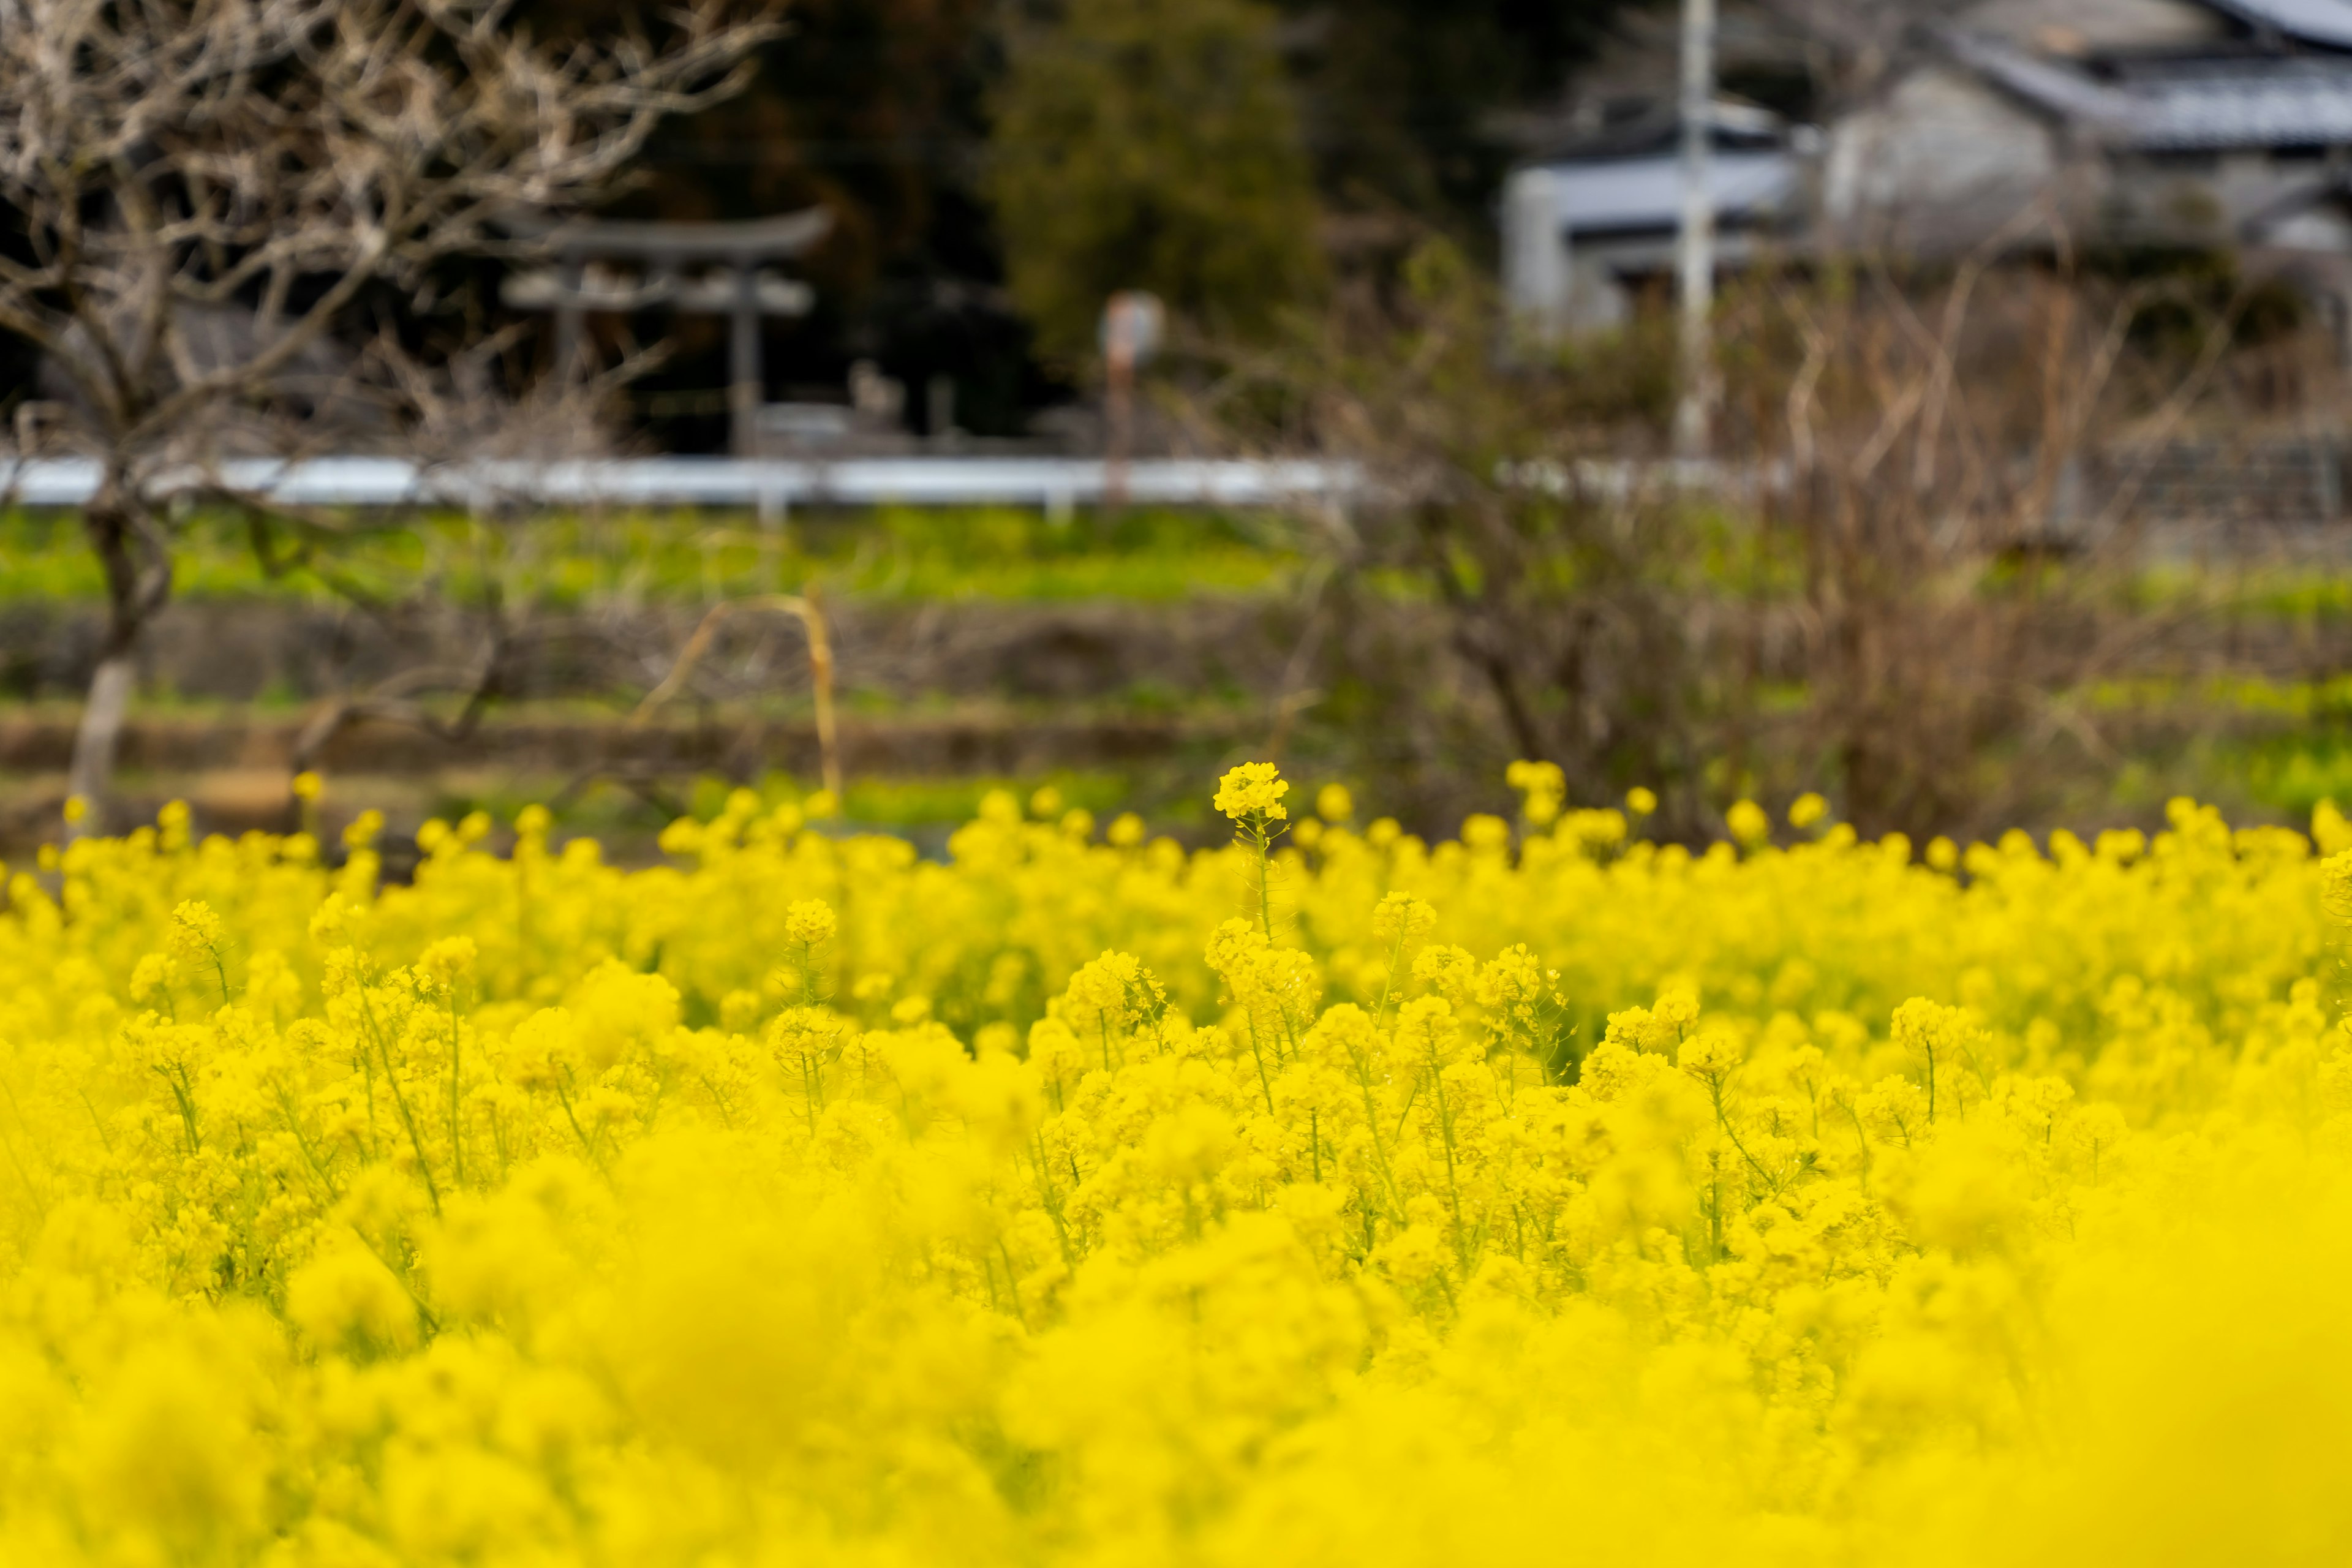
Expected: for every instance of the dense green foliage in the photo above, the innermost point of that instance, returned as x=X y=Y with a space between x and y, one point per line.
x=1152 y=145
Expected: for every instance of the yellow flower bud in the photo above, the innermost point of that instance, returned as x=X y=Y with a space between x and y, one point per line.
x=809 y=921
x=1253 y=791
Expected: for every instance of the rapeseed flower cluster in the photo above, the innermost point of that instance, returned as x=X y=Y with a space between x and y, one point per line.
x=1330 y=1196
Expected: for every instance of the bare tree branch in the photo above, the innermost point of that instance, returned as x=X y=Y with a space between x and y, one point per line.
x=209 y=188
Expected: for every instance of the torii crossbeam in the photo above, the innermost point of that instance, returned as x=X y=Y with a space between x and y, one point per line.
x=665 y=256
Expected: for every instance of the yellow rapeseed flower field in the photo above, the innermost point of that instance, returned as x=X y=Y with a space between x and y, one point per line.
x=1332 y=1197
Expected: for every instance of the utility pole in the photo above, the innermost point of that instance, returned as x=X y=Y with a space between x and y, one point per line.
x=1694 y=243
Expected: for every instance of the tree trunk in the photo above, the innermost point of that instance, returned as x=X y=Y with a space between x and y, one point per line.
x=91 y=775
x=138 y=582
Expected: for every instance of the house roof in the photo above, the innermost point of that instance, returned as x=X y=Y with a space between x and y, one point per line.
x=2208 y=105
x=2292 y=103
x=2327 y=23
x=1630 y=196
x=2061 y=89
x=1733 y=124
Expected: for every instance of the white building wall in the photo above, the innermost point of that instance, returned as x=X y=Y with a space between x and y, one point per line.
x=1537 y=268
x=1943 y=155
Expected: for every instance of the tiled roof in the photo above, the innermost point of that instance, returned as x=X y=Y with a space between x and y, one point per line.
x=2323 y=22
x=2205 y=106
x=1634 y=194
x=2060 y=89
x=2291 y=103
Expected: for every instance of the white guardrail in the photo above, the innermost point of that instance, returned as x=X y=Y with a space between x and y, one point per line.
x=768 y=485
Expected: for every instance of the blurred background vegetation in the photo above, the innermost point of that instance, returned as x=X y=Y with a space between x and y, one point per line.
x=1906 y=601
x=995 y=167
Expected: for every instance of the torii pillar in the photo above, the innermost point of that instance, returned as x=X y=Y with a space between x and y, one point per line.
x=663 y=252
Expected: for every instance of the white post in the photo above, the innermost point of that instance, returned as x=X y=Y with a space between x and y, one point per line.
x=774 y=508
x=1695 y=247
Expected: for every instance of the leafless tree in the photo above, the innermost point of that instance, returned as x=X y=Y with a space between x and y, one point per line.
x=1921 y=554
x=1962 y=455
x=1564 y=586
x=209 y=191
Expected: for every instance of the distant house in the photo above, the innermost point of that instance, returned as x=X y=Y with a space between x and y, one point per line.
x=1582 y=231
x=2208 y=123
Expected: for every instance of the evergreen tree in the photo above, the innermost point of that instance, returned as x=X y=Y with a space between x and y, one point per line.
x=1152 y=144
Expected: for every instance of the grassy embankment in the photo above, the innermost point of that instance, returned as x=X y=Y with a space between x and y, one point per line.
x=646 y=565
x=2262 y=744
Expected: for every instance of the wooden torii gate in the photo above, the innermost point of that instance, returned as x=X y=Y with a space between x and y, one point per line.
x=703 y=269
